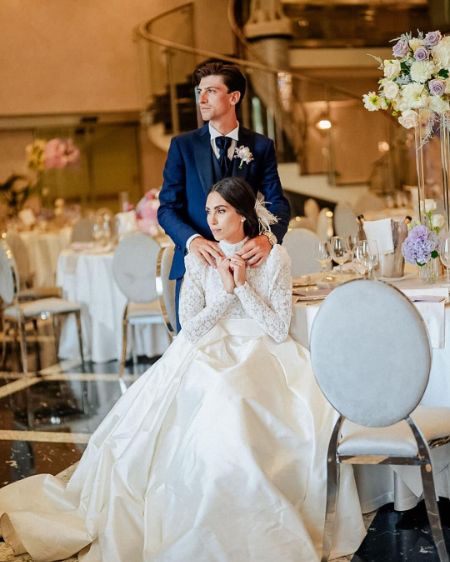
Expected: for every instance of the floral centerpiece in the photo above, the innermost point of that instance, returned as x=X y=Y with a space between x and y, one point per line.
x=421 y=246
x=147 y=212
x=417 y=78
x=41 y=155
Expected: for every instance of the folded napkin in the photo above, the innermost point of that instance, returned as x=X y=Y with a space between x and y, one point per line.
x=430 y=304
x=381 y=232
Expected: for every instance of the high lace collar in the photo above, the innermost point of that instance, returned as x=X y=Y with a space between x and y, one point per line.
x=230 y=249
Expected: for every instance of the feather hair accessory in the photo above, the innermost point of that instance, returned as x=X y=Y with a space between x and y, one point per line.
x=265 y=217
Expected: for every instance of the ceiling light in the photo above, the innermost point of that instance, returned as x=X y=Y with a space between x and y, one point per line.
x=324 y=124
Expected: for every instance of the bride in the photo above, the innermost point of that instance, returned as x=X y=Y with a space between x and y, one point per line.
x=218 y=452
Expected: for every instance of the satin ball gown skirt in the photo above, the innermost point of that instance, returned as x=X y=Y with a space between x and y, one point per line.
x=216 y=453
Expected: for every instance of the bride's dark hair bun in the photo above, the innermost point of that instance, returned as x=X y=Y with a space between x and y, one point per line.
x=238 y=193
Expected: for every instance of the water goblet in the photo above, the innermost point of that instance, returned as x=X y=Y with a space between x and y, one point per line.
x=323 y=255
x=444 y=254
x=340 y=251
x=366 y=254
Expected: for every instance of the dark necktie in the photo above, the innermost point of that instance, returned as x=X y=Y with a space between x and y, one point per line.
x=223 y=144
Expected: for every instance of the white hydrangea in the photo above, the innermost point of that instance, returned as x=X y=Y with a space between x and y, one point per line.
x=421 y=71
x=437 y=220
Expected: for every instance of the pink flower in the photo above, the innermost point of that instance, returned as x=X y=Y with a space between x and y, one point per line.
x=432 y=38
x=59 y=153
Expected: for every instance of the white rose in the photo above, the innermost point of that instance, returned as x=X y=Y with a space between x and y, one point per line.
x=408 y=119
x=390 y=89
x=441 y=53
x=391 y=68
x=437 y=220
x=430 y=205
x=437 y=104
x=415 y=43
x=421 y=71
x=413 y=96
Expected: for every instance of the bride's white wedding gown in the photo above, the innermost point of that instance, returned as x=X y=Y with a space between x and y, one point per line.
x=216 y=454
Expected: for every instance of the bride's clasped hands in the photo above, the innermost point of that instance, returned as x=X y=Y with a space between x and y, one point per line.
x=232 y=272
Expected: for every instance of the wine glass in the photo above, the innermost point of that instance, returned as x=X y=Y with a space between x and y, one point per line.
x=366 y=254
x=323 y=255
x=340 y=252
x=444 y=254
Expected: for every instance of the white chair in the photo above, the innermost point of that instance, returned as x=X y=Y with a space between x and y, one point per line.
x=19 y=313
x=165 y=288
x=301 y=245
x=371 y=358
x=345 y=220
x=134 y=270
x=325 y=229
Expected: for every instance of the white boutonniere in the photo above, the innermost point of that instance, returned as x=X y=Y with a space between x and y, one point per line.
x=243 y=152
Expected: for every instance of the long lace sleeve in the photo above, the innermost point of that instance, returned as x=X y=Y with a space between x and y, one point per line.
x=274 y=316
x=196 y=316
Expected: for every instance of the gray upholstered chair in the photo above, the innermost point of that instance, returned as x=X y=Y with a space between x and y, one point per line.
x=371 y=358
x=165 y=288
x=134 y=270
x=20 y=313
x=301 y=245
x=345 y=220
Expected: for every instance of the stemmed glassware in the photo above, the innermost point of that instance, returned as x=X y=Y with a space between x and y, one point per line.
x=444 y=254
x=340 y=252
x=366 y=253
x=323 y=255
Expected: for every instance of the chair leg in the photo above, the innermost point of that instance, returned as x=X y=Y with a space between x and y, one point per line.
x=429 y=492
x=36 y=345
x=56 y=334
x=80 y=339
x=333 y=474
x=133 y=348
x=23 y=346
x=123 y=356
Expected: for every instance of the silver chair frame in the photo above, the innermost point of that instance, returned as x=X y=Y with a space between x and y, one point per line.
x=422 y=459
x=21 y=320
x=160 y=291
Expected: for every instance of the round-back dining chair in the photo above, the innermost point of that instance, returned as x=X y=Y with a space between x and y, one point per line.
x=134 y=270
x=166 y=289
x=371 y=357
x=301 y=245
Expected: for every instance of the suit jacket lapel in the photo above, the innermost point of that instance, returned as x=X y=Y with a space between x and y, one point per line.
x=202 y=155
x=246 y=138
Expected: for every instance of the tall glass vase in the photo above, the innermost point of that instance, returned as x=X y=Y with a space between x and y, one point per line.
x=444 y=127
x=421 y=135
x=429 y=272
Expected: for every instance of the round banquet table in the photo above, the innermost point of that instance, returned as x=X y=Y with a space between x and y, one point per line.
x=43 y=250
x=86 y=277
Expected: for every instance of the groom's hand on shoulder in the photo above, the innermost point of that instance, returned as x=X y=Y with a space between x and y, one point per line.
x=256 y=250
x=205 y=250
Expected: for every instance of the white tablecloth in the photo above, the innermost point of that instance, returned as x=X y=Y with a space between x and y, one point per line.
x=43 y=251
x=378 y=485
x=86 y=277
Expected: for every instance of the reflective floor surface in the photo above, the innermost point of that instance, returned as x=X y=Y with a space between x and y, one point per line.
x=47 y=418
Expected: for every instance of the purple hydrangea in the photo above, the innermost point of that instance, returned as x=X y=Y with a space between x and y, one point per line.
x=421 y=53
x=432 y=38
x=419 y=245
x=436 y=87
x=401 y=48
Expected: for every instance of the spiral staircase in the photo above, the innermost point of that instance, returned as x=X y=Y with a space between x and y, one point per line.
x=319 y=129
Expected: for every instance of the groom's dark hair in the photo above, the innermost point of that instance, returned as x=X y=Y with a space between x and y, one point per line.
x=233 y=78
x=238 y=193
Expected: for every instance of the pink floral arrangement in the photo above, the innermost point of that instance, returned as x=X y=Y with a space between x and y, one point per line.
x=147 y=212
x=52 y=154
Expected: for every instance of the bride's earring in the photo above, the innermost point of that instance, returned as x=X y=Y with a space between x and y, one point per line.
x=242 y=219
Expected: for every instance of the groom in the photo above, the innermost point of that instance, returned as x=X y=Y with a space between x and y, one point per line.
x=198 y=159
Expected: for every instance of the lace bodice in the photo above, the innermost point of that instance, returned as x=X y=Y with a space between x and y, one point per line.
x=265 y=297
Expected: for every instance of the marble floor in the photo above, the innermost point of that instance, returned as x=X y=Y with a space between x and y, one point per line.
x=46 y=420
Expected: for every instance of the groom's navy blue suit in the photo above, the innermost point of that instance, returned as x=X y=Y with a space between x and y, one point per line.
x=191 y=170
